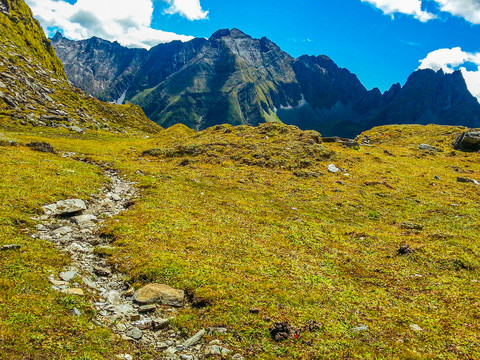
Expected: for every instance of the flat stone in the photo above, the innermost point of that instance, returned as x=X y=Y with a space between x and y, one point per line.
x=428 y=148
x=171 y=351
x=101 y=271
x=113 y=297
x=65 y=207
x=73 y=291
x=64 y=230
x=216 y=350
x=134 y=333
x=194 y=339
x=67 y=275
x=165 y=294
x=144 y=324
x=147 y=308
x=124 y=309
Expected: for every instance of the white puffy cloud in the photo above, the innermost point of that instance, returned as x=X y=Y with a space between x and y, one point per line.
x=450 y=60
x=190 y=9
x=468 y=9
x=409 y=7
x=126 y=21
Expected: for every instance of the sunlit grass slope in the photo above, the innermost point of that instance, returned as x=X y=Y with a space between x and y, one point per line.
x=259 y=233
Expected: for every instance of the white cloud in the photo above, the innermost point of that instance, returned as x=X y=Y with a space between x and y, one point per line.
x=468 y=9
x=450 y=60
x=409 y=7
x=126 y=21
x=190 y=9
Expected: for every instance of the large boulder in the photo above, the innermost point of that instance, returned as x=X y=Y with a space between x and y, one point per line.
x=468 y=141
x=68 y=207
x=153 y=293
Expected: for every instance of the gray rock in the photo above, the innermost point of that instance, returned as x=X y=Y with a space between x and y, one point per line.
x=333 y=169
x=415 y=327
x=217 y=330
x=64 y=230
x=194 y=339
x=134 y=333
x=143 y=324
x=124 y=309
x=171 y=351
x=65 y=207
x=468 y=180
x=77 y=129
x=10 y=247
x=428 y=148
x=159 y=324
x=67 y=275
x=186 y=357
x=238 y=357
x=76 y=312
x=216 y=350
x=468 y=141
x=360 y=328
x=101 y=271
x=114 y=298
x=147 y=308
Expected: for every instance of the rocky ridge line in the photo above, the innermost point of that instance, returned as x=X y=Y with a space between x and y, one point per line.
x=72 y=225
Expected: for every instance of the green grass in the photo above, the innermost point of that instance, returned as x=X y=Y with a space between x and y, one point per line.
x=242 y=234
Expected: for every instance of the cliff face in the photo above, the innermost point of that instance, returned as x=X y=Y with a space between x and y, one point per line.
x=236 y=79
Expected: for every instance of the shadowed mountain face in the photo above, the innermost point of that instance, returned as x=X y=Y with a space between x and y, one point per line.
x=236 y=79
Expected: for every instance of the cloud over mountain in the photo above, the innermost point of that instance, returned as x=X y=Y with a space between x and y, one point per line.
x=453 y=59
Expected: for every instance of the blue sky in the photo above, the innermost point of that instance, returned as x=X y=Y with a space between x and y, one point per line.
x=381 y=41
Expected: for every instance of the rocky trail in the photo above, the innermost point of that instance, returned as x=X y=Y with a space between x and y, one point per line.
x=142 y=316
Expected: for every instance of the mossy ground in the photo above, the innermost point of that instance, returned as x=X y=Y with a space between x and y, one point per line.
x=295 y=242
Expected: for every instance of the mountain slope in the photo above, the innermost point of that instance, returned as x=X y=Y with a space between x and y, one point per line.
x=34 y=89
x=233 y=79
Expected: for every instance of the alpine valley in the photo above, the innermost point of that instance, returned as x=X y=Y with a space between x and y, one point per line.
x=237 y=237
x=232 y=78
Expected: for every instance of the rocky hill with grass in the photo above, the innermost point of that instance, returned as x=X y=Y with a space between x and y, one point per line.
x=35 y=91
x=233 y=78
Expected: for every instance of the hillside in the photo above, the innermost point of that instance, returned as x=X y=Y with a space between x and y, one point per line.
x=236 y=79
x=34 y=89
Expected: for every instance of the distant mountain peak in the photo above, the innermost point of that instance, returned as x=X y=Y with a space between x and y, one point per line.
x=57 y=36
x=233 y=33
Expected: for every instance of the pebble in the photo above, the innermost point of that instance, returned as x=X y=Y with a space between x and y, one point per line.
x=333 y=169
x=76 y=312
x=415 y=327
x=147 y=308
x=67 y=275
x=134 y=333
x=73 y=291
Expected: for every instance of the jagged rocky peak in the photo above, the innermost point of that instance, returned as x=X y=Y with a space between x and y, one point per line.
x=234 y=33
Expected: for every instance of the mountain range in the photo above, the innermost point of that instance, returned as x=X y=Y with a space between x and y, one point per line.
x=236 y=79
